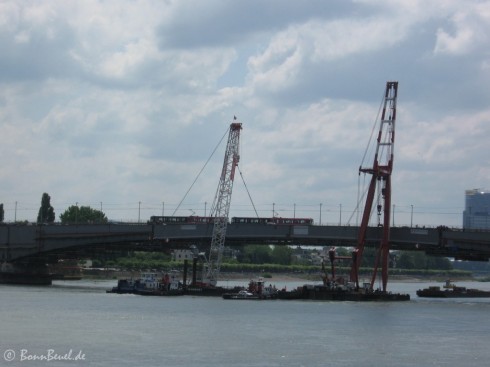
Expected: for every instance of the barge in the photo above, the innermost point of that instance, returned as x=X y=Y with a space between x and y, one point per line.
x=452 y=291
x=325 y=292
x=350 y=293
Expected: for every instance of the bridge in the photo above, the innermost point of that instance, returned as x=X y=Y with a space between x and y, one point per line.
x=20 y=243
x=26 y=248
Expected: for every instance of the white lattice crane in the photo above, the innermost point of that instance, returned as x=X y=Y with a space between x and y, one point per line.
x=221 y=205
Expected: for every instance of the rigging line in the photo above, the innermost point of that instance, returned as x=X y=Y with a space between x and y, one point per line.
x=372 y=130
x=202 y=169
x=360 y=199
x=246 y=188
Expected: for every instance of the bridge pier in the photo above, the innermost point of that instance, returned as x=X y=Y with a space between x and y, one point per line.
x=31 y=272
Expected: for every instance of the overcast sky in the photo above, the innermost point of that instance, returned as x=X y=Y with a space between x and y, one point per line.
x=120 y=104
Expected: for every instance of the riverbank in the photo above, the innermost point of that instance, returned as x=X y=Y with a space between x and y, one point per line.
x=317 y=278
x=106 y=274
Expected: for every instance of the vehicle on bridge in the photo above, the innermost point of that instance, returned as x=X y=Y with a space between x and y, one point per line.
x=236 y=220
x=180 y=220
x=274 y=220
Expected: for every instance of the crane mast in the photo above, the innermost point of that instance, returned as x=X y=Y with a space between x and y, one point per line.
x=221 y=205
x=380 y=183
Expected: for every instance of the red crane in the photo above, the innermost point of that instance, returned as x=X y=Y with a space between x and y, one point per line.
x=380 y=183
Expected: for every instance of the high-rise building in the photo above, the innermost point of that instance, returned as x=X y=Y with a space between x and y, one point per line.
x=476 y=213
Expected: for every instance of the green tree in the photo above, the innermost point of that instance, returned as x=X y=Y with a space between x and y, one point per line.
x=437 y=262
x=342 y=251
x=405 y=261
x=82 y=214
x=368 y=256
x=256 y=254
x=46 y=211
x=2 y=213
x=419 y=260
x=281 y=255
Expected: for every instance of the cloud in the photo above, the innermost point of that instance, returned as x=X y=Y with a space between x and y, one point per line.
x=468 y=31
x=123 y=102
x=218 y=23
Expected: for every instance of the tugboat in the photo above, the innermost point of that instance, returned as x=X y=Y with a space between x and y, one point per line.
x=150 y=284
x=170 y=286
x=243 y=294
x=256 y=290
x=452 y=291
x=124 y=286
x=147 y=285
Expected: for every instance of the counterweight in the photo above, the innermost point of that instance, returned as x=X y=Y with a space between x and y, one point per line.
x=221 y=205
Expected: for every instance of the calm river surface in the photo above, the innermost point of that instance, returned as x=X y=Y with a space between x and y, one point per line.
x=78 y=320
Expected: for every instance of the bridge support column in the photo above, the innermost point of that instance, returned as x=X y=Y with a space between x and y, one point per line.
x=31 y=272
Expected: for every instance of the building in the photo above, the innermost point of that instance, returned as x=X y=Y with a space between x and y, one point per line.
x=306 y=256
x=476 y=214
x=181 y=255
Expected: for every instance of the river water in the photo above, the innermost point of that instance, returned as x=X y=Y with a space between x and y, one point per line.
x=77 y=324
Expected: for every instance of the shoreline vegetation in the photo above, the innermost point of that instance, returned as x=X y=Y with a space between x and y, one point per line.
x=253 y=261
x=311 y=275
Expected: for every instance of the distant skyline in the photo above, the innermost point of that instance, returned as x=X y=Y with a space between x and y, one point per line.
x=477 y=209
x=119 y=104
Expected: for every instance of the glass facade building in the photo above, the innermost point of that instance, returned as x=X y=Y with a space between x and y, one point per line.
x=476 y=214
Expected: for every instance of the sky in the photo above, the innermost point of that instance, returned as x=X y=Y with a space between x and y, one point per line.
x=118 y=105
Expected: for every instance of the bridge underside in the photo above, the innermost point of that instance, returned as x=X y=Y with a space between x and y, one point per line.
x=21 y=243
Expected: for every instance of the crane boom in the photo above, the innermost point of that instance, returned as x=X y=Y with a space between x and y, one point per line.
x=381 y=177
x=221 y=205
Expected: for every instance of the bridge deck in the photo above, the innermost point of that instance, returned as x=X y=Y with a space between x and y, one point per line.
x=19 y=241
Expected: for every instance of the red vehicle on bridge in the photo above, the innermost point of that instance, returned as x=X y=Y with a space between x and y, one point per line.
x=274 y=220
x=193 y=219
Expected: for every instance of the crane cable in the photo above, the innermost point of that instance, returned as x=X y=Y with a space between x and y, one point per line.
x=202 y=169
x=246 y=188
x=359 y=199
x=372 y=131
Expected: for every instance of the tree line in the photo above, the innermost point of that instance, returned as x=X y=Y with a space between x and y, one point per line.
x=271 y=259
x=73 y=214
x=284 y=255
